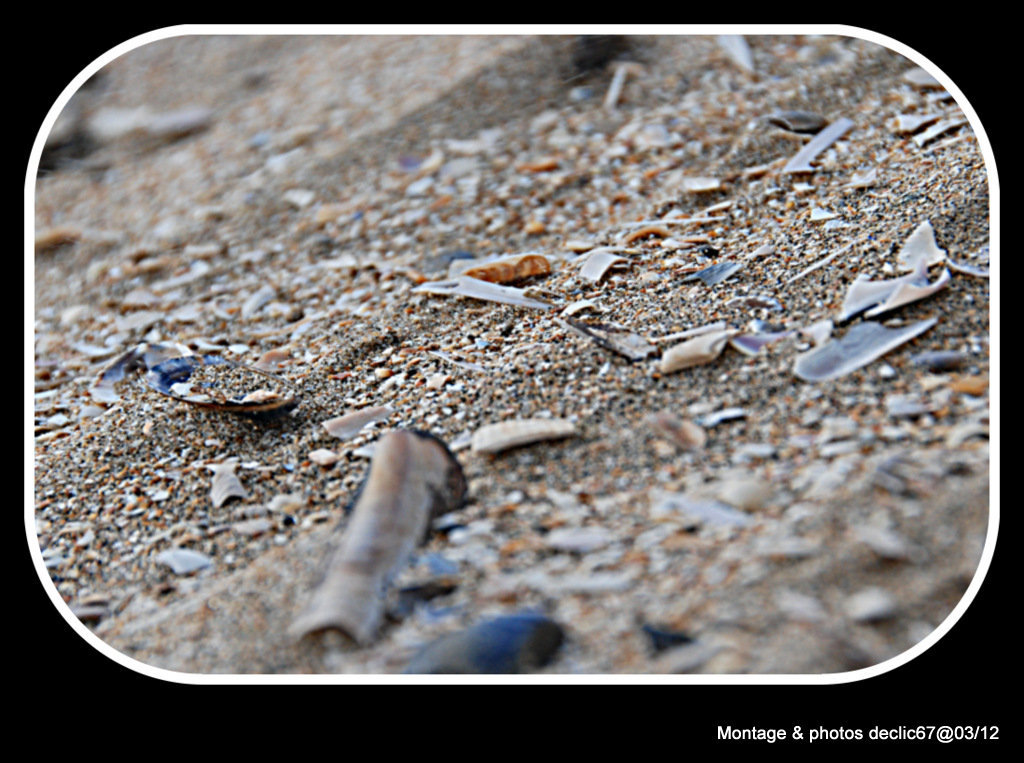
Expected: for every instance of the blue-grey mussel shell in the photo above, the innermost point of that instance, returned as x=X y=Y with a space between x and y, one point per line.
x=211 y=382
x=515 y=643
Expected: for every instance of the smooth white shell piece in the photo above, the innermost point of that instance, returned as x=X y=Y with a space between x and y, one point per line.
x=877 y=297
x=920 y=246
x=225 y=484
x=802 y=161
x=465 y=286
x=494 y=438
x=695 y=352
x=349 y=424
x=598 y=263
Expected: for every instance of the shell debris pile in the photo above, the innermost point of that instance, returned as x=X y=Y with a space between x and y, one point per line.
x=699 y=322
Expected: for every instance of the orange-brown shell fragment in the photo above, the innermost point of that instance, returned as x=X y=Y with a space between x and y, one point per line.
x=510 y=269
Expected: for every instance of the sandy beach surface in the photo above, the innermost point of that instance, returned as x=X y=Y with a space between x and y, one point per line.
x=746 y=459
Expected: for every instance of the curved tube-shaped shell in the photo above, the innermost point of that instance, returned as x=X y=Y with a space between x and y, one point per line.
x=413 y=478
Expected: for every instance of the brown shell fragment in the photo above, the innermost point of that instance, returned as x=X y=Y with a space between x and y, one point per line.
x=511 y=269
x=494 y=438
x=696 y=351
x=861 y=345
x=413 y=478
x=798 y=121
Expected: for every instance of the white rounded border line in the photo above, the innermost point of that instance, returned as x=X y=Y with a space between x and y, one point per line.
x=840 y=30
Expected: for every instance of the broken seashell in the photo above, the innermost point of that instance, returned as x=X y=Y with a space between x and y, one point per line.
x=752 y=344
x=648 y=230
x=696 y=351
x=684 y=433
x=141 y=356
x=691 y=184
x=518 y=643
x=735 y=46
x=615 y=338
x=466 y=286
x=818 y=332
x=908 y=123
x=349 y=424
x=861 y=345
x=797 y=121
x=210 y=381
x=920 y=77
x=493 y=438
x=883 y=296
x=802 y=161
x=938 y=129
x=716 y=273
x=323 y=457
x=510 y=269
x=413 y=479
x=920 y=246
x=577 y=306
x=225 y=484
x=598 y=262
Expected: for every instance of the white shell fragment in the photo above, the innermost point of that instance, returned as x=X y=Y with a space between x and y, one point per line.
x=920 y=246
x=861 y=345
x=494 y=438
x=684 y=433
x=909 y=123
x=699 y=184
x=938 y=129
x=802 y=161
x=818 y=332
x=349 y=424
x=466 y=286
x=879 y=297
x=920 y=77
x=696 y=351
x=413 y=479
x=225 y=484
x=599 y=262
x=323 y=457
x=736 y=47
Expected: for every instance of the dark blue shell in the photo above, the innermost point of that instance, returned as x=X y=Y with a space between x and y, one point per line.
x=163 y=376
x=515 y=643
